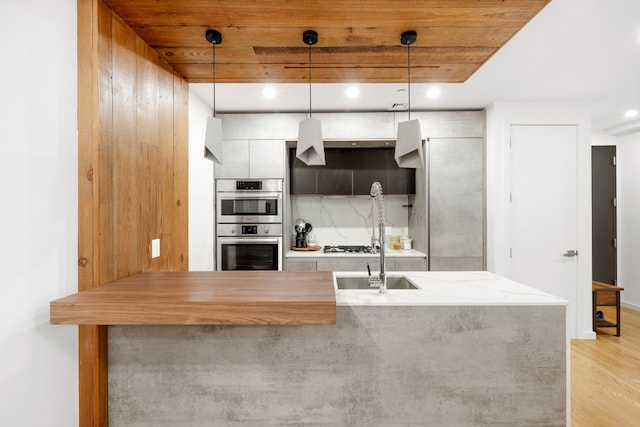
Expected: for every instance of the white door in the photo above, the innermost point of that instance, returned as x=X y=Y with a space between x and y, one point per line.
x=543 y=214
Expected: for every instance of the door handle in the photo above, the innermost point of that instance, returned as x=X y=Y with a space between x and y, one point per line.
x=571 y=253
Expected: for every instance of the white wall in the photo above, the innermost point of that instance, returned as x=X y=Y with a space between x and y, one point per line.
x=500 y=117
x=201 y=197
x=38 y=219
x=628 y=183
x=601 y=138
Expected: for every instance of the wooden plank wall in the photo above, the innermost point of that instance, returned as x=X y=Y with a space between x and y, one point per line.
x=133 y=168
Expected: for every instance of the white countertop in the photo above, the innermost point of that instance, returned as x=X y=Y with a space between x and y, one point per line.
x=391 y=253
x=447 y=288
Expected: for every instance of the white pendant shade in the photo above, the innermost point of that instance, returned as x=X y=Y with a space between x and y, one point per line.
x=310 y=148
x=213 y=140
x=408 y=152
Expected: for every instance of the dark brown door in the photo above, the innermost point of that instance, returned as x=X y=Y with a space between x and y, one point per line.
x=603 y=187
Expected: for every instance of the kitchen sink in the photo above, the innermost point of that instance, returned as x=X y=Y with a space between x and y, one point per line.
x=362 y=282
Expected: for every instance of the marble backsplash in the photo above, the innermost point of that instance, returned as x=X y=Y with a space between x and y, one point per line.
x=347 y=220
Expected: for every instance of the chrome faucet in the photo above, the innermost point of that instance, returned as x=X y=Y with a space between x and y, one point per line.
x=381 y=281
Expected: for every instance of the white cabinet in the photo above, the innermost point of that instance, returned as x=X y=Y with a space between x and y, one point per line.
x=235 y=159
x=266 y=158
x=251 y=158
x=348 y=264
x=410 y=264
x=356 y=264
x=301 y=264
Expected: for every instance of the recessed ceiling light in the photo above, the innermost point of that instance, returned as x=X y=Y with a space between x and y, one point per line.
x=269 y=92
x=433 y=92
x=353 y=91
x=631 y=113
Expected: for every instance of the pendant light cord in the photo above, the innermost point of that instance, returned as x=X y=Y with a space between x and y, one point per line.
x=214 y=79
x=309 y=80
x=409 y=78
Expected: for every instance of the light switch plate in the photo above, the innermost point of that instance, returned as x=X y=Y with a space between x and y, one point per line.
x=155 y=248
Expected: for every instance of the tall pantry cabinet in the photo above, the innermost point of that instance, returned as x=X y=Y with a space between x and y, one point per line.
x=447 y=219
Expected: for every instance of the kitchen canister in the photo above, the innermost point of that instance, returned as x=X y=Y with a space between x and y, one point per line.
x=405 y=242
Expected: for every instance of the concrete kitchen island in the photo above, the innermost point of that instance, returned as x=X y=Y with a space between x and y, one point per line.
x=467 y=349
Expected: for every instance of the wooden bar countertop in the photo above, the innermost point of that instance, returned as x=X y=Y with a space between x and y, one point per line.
x=204 y=298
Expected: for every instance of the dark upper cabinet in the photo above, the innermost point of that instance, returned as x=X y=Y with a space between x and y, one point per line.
x=351 y=171
x=370 y=165
x=303 y=179
x=336 y=177
x=401 y=180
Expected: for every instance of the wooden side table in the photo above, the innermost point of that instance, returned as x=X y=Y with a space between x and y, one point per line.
x=606 y=295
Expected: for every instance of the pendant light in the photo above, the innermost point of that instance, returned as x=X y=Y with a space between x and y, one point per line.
x=213 y=136
x=310 y=148
x=408 y=152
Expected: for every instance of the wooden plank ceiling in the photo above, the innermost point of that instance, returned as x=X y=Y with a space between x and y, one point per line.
x=359 y=41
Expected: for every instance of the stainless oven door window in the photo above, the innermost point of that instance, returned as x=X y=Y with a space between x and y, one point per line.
x=265 y=208
x=249 y=207
x=249 y=254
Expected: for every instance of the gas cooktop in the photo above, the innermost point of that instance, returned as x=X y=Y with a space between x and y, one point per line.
x=347 y=249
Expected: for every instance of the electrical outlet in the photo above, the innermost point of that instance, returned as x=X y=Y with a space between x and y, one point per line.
x=155 y=248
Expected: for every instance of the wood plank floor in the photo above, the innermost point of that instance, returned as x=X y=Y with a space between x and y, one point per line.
x=605 y=375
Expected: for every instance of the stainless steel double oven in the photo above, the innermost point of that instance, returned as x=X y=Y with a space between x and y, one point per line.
x=249 y=224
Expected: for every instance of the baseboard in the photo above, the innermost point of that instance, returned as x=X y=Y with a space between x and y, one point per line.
x=587 y=335
x=630 y=305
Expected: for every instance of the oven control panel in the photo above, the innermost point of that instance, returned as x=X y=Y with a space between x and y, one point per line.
x=248 y=185
x=249 y=230
x=243 y=186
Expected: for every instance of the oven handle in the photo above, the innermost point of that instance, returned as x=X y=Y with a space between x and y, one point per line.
x=251 y=195
x=250 y=240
